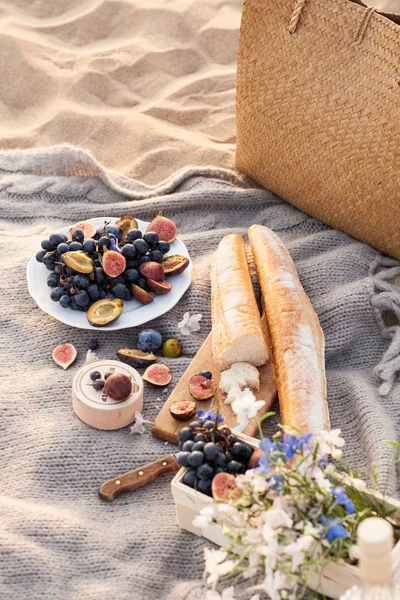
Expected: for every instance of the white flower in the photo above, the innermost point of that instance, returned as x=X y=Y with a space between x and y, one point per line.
x=205 y=517
x=216 y=565
x=323 y=483
x=359 y=484
x=337 y=454
x=189 y=323
x=226 y=594
x=138 y=426
x=277 y=517
x=245 y=405
x=354 y=552
x=329 y=440
x=258 y=483
x=274 y=582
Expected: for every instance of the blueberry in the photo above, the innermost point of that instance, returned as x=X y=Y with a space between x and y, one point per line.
x=58 y=269
x=134 y=234
x=210 y=450
x=196 y=459
x=99 y=275
x=205 y=471
x=156 y=256
x=45 y=244
x=188 y=446
x=104 y=242
x=56 y=294
x=65 y=301
x=206 y=374
x=121 y=291
x=204 y=486
x=144 y=259
x=151 y=238
x=98 y=384
x=234 y=467
x=62 y=248
x=93 y=292
x=107 y=375
x=190 y=478
x=75 y=246
x=198 y=446
x=163 y=247
x=149 y=340
x=95 y=375
x=93 y=344
x=129 y=251
x=78 y=236
x=114 y=230
x=185 y=434
x=75 y=305
x=81 y=281
x=82 y=298
x=131 y=275
x=182 y=458
x=141 y=246
x=89 y=246
x=40 y=255
x=57 y=238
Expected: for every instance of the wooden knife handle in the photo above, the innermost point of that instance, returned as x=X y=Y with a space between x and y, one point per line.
x=137 y=478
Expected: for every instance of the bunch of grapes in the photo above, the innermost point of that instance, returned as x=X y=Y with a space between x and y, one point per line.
x=207 y=452
x=77 y=290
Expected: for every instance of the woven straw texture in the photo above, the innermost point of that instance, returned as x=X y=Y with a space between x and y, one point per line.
x=318 y=112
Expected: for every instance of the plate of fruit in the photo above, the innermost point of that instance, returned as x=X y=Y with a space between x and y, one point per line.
x=110 y=272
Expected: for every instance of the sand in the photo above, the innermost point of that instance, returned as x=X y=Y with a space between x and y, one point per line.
x=148 y=86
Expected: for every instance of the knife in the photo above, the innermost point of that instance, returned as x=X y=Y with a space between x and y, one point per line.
x=139 y=477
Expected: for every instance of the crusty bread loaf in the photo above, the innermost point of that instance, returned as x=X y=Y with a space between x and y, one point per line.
x=238 y=334
x=296 y=337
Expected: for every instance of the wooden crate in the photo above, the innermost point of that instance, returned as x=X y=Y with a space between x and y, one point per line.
x=335 y=579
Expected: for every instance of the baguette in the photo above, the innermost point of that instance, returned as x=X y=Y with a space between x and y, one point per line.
x=297 y=339
x=237 y=332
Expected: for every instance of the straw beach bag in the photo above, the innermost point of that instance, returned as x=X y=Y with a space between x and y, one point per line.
x=318 y=111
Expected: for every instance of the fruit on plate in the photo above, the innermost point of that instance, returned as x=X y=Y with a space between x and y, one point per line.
x=78 y=261
x=126 y=223
x=159 y=287
x=104 y=312
x=113 y=263
x=149 y=340
x=118 y=386
x=201 y=388
x=183 y=410
x=171 y=348
x=152 y=270
x=224 y=488
x=175 y=264
x=159 y=375
x=136 y=358
x=140 y=294
x=88 y=228
x=165 y=228
x=64 y=355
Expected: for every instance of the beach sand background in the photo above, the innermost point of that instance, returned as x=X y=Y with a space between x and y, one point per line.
x=148 y=86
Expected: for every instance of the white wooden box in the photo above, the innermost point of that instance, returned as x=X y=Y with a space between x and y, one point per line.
x=335 y=578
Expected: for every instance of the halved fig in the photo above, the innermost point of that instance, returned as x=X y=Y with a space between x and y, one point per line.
x=175 y=264
x=136 y=358
x=89 y=229
x=64 y=355
x=159 y=287
x=141 y=295
x=104 y=312
x=201 y=388
x=165 y=228
x=255 y=458
x=183 y=410
x=152 y=270
x=79 y=261
x=126 y=223
x=224 y=488
x=159 y=375
x=113 y=263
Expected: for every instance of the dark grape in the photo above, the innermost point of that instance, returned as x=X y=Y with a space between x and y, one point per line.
x=220 y=459
x=56 y=294
x=208 y=424
x=81 y=281
x=93 y=344
x=119 y=279
x=198 y=446
x=234 y=467
x=185 y=434
x=239 y=450
x=98 y=384
x=95 y=375
x=226 y=431
x=75 y=246
x=58 y=269
x=210 y=450
x=104 y=242
x=134 y=234
x=69 y=271
x=163 y=247
x=141 y=246
x=199 y=437
x=129 y=251
x=232 y=439
x=45 y=244
x=75 y=305
x=57 y=238
x=206 y=374
x=114 y=230
x=205 y=471
x=182 y=458
x=49 y=260
x=103 y=295
x=204 y=486
x=194 y=424
x=52 y=281
x=65 y=301
x=121 y=291
x=151 y=238
x=62 y=248
x=99 y=275
x=156 y=256
x=40 y=255
x=188 y=446
x=107 y=375
x=78 y=236
x=82 y=298
x=144 y=259
x=132 y=264
x=196 y=458
x=89 y=246
x=142 y=283
x=229 y=456
x=131 y=275
x=190 y=478
x=93 y=291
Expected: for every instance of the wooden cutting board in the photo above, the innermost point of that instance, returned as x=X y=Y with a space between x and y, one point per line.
x=167 y=428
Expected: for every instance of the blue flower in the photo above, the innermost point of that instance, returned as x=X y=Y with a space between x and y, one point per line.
x=342 y=498
x=275 y=482
x=292 y=444
x=210 y=416
x=334 y=529
x=267 y=448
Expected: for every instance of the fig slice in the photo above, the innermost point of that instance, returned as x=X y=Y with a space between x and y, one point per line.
x=159 y=375
x=175 y=264
x=159 y=287
x=89 y=229
x=183 y=410
x=113 y=263
x=126 y=223
x=136 y=358
x=152 y=270
x=224 y=488
x=141 y=295
x=104 y=312
x=165 y=228
x=201 y=388
x=79 y=261
x=64 y=355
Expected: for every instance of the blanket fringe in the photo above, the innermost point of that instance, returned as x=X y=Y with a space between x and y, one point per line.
x=387 y=298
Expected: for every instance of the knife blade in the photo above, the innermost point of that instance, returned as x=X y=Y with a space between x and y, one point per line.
x=137 y=478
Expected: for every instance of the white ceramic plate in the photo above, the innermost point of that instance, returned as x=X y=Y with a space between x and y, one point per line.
x=133 y=314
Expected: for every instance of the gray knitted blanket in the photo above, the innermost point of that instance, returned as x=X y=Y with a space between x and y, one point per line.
x=58 y=540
